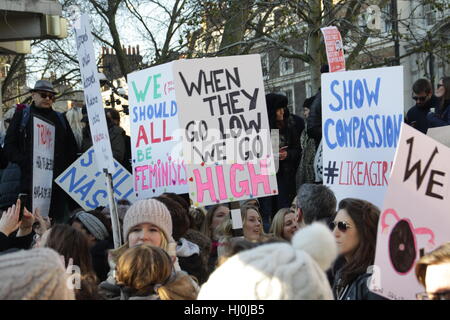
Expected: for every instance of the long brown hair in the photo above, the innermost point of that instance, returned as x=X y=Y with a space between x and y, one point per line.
x=365 y=215
x=147 y=269
x=72 y=243
x=206 y=226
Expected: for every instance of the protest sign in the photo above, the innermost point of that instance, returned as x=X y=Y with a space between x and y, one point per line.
x=440 y=134
x=43 y=156
x=414 y=219
x=227 y=141
x=362 y=112
x=92 y=94
x=86 y=184
x=158 y=164
x=334 y=48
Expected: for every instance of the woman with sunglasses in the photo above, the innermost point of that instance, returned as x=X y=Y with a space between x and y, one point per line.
x=355 y=229
x=442 y=115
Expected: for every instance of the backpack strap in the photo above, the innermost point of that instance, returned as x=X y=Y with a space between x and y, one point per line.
x=25 y=118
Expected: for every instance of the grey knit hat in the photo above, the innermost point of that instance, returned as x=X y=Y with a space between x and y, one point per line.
x=93 y=224
x=35 y=274
x=148 y=211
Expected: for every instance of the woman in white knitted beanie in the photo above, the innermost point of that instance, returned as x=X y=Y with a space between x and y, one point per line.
x=146 y=222
x=277 y=271
x=36 y=274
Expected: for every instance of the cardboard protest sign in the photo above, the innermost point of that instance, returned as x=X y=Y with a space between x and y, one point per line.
x=440 y=134
x=92 y=94
x=86 y=184
x=415 y=218
x=43 y=156
x=362 y=113
x=158 y=164
x=334 y=48
x=227 y=146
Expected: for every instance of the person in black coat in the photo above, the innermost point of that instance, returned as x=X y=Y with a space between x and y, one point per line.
x=355 y=229
x=15 y=234
x=289 y=155
x=19 y=146
x=416 y=117
x=97 y=229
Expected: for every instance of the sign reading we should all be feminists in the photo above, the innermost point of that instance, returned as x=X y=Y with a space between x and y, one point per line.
x=362 y=113
x=158 y=164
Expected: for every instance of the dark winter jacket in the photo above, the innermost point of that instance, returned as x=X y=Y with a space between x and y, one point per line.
x=441 y=117
x=416 y=117
x=357 y=290
x=99 y=255
x=12 y=241
x=116 y=137
x=9 y=185
x=19 y=146
x=314 y=121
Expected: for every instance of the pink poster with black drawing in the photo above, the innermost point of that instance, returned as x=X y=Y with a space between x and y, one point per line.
x=415 y=217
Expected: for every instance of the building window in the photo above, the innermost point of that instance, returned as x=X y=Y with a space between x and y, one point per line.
x=308 y=90
x=289 y=93
x=4 y=70
x=286 y=66
x=429 y=14
x=265 y=65
x=387 y=18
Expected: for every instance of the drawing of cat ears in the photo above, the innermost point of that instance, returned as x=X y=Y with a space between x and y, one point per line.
x=416 y=231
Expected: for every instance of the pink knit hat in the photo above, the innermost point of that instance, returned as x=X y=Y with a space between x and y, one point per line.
x=148 y=211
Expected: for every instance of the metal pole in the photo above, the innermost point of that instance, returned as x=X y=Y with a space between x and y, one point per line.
x=113 y=211
x=394 y=17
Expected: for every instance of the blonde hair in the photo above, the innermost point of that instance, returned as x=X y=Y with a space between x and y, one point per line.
x=74 y=116
x=206 y=225
x=278 y=222
x=117 y=253
x=224 y=230
x=148 y=269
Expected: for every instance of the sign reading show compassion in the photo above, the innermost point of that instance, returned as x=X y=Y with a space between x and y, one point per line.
x=227 y=146
x=158 y=164
x=362 y=113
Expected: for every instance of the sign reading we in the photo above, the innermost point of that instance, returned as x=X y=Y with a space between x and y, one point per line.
x=414 y=219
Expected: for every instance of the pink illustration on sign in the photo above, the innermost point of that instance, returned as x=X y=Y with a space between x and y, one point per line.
x=402 y=241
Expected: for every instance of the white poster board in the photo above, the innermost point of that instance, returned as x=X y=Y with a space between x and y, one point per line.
x=158 y=164
x=92 y=94
x=440 y=134
x=86 y=184
x=415 y=214
x=43 y=156
x=362 y=112
x=227 y=141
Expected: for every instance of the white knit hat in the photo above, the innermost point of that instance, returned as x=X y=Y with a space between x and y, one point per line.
x=35 y=274
x=277 y=271
x=148 y=211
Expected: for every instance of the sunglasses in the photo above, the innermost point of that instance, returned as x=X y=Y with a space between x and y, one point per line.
x=439 y=85
x=445 y=295
x=47 y=95
x=342 y=226
x=419 y=98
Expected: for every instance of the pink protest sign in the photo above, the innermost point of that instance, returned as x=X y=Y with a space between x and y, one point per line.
x=414 y=219
x=335 y=48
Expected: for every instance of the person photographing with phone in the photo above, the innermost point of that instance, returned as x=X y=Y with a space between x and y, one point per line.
x=16 y=228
